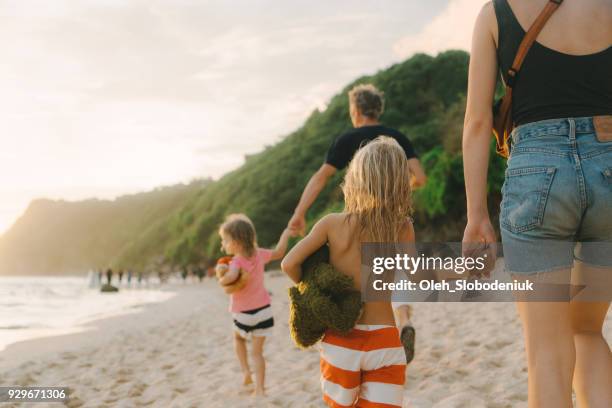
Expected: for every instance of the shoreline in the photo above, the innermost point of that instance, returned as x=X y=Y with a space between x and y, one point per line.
x=20 y=351
x=51 y=306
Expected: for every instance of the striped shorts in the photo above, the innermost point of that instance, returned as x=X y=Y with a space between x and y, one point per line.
x=257 y=322
x=366 y=368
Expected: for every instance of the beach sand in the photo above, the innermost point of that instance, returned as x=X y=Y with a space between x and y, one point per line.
x=179 y=354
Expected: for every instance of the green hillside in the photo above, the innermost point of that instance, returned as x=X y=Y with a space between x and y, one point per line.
x=425 y=99
x=71 y=237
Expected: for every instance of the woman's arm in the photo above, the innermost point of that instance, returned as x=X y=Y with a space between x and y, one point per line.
x=292 y=263
x=477 y=127
x=281 y=247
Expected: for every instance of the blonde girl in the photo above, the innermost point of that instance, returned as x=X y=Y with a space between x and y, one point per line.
x=366 y=367
x=250 y=306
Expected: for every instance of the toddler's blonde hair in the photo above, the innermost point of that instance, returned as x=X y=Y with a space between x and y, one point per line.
x=377 y=190
x=239 y=228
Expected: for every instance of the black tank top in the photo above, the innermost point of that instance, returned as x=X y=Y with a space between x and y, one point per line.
x=551 y=84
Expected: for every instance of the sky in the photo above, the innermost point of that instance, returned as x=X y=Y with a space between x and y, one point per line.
x=100 y=98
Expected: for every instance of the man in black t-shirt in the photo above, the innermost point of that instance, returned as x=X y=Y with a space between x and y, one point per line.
x=366 y=104
x=343 y=149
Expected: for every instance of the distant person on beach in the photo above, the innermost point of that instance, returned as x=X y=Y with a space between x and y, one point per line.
x=129 y=277
x=250 y=306
x=109 y=276
x=366 y=105
x=120 y=276
x=184 y=274
x=366 y=368
x=558 y=185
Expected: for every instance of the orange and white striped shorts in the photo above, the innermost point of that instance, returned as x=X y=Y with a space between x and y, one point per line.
x=366 y=368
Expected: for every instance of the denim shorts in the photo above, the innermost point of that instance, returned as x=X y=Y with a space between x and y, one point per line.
x=557 y=197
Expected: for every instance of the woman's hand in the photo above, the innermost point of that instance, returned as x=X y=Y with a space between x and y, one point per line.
x=479 y=240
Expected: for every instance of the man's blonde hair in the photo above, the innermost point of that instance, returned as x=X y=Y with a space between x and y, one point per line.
x=368 y=100
x=239 y=228
x=377 y=190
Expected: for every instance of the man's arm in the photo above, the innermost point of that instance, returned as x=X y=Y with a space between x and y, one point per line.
x=310 y=194
x=418 y=177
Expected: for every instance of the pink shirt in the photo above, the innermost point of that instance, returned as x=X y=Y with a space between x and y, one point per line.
x=254 y=294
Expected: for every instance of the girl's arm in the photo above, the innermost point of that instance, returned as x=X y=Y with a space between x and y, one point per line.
x=292 y=263
x=281 y=247
x=477 y=127
x=230 y=276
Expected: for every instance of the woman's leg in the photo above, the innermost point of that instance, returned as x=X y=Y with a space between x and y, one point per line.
x=260 y=365
x=241 y=352
x=550 y=351
x=593 y=372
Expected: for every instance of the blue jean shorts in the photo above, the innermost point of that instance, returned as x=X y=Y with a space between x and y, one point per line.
x=557 y=197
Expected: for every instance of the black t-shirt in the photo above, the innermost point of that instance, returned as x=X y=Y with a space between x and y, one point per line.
x=343 y=149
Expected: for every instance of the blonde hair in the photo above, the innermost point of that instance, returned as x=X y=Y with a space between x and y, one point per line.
x=368 y=100
x=239 y=228
x=377 y=190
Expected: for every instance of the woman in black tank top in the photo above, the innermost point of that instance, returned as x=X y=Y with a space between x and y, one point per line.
x=556 y=211
x=553 y=84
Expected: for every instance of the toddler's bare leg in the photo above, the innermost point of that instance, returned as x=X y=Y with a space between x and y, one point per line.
x=260 y=365
x=241 y=352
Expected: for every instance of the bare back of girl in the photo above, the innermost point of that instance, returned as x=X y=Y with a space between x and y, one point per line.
x=345 y=255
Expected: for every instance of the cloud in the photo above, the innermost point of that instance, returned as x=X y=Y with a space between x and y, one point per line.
x=451 y=29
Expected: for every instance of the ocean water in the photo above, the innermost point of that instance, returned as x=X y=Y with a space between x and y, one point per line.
x=32 y=307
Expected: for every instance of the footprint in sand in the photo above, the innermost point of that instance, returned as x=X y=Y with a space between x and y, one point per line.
x=26 y=380
x=137 y=390
x=74 y=402
x=68 y=356
x=461 y=372
x=522 y=397
x=472 y=343
x=121 y=380
x=125 y=371
x=483 y=388
x=170 y=375
x=245 y=391
x=498 y=345
x=494 y=364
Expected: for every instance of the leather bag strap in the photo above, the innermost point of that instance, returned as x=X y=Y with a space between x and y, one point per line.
x=530 y=38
